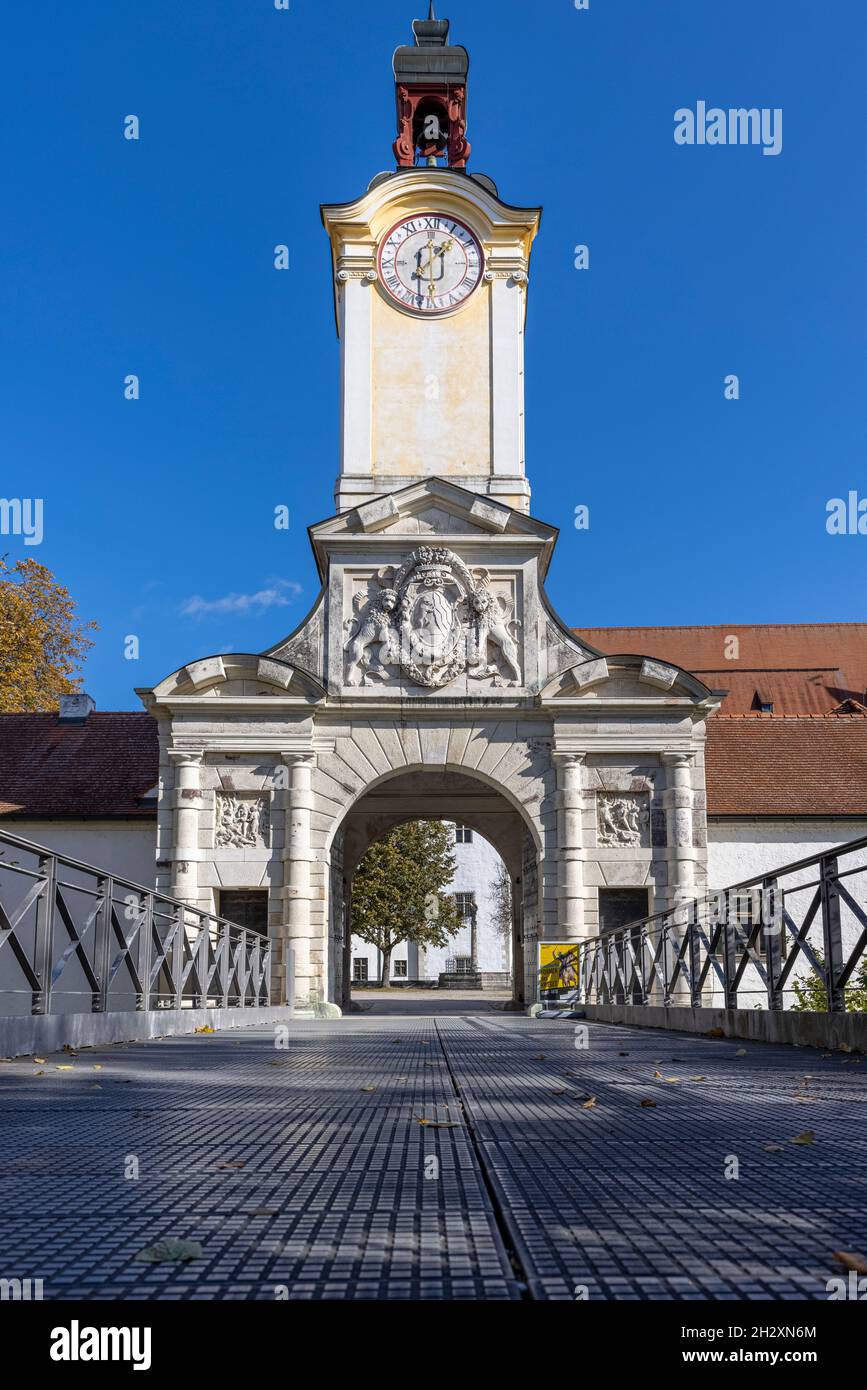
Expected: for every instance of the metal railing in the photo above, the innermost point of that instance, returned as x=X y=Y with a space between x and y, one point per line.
x=772 y=942
x=74 y=938
x=460 y=965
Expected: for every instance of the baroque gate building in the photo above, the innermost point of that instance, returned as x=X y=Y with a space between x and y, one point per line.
x=432 y=678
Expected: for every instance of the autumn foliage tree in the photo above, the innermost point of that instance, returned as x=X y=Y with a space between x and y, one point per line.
x=398 y=891
x=42 y=641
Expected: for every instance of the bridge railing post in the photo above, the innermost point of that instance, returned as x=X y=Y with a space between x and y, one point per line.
x=665 y=956
x=693 y=947
x=772 y=930
x=729 y=953
x=644 y=948
x=177 y=955
x=832 y=933
x=145 y=952
x=43 y=942
x=102 y=943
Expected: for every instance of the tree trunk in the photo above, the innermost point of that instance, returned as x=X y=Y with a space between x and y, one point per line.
x=385 y=975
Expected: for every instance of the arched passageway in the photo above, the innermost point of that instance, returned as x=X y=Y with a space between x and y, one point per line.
x=441 y=795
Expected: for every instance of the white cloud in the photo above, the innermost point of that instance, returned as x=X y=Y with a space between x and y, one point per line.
x=279 y=594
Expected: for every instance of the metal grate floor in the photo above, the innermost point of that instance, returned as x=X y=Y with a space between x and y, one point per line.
x=307 y=1173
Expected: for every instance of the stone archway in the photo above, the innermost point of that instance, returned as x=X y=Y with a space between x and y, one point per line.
x=423 y=793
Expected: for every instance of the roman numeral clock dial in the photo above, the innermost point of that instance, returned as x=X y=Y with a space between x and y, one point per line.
x=430 y=264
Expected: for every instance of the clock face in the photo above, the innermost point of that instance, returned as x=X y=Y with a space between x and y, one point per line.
x=430 y=264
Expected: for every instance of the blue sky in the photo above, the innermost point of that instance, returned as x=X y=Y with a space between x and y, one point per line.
x=156 y=258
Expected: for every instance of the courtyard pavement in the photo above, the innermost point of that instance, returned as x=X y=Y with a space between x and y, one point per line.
x=459 y=1156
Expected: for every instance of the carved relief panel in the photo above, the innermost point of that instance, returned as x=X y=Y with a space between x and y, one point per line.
x=623 y=820
x=432 y=620
x=243 y=820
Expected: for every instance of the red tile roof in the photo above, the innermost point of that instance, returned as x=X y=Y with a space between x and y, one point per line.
x=801 y=668
x=807 y=758
x=103 y=767
x=787 y=767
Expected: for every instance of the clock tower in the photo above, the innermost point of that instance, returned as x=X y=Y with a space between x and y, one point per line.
x=430 y=275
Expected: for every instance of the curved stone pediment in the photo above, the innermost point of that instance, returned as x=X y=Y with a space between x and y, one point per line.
x=235 y=676
x=627 y=679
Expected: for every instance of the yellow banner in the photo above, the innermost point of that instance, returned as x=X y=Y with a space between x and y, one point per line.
x=558 y=966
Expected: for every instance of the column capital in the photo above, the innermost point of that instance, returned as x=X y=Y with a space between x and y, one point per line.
x=569 y=757
x=681 y=758
x=190 y=756
x=294 y=757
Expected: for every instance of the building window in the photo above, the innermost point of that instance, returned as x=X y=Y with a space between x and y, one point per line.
x=399 y=967
x=246 y=907
x=463 y=835
x=618 y=907
x=465 y=904
x=359 y=969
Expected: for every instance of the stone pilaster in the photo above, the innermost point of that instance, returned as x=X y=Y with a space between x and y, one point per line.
x=187 y=804
x=570 y=850
x=297 y=858
x=678 y=800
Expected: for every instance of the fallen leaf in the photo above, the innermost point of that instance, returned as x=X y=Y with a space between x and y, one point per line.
x=440 y=1124
x=367 y=1088
x=206 y=1028
x=844 y=1047
x=71 y=1050
x=171 y=1249
x=774 y=1148
x=741 y=1052
x=40 y=1061
x=64 y=1066
x=806 y=1138
x=849 y=1261
x=658 y=1073
x=540 y=1057
x=648 y=1105
x=589 y=1103
x=715 y=1033
x=97 y=1066
x=698 y=1078
x=39 y=1073
x=673 y=1080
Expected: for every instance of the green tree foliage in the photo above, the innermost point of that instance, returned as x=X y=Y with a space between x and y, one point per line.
x=812 y=997
x=42 y=642
x=398 y=891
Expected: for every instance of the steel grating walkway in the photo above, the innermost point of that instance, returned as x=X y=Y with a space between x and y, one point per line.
x=307 y=1170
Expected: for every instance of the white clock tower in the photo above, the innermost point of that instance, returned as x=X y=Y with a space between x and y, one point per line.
x=431 y=272
x=432 y=678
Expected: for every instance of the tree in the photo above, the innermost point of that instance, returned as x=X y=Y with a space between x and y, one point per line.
x=501 y=901
x=42 y=641
x=812 y=996
x=397 y=893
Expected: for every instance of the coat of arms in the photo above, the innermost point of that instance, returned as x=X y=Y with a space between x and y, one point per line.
x=434 y=620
